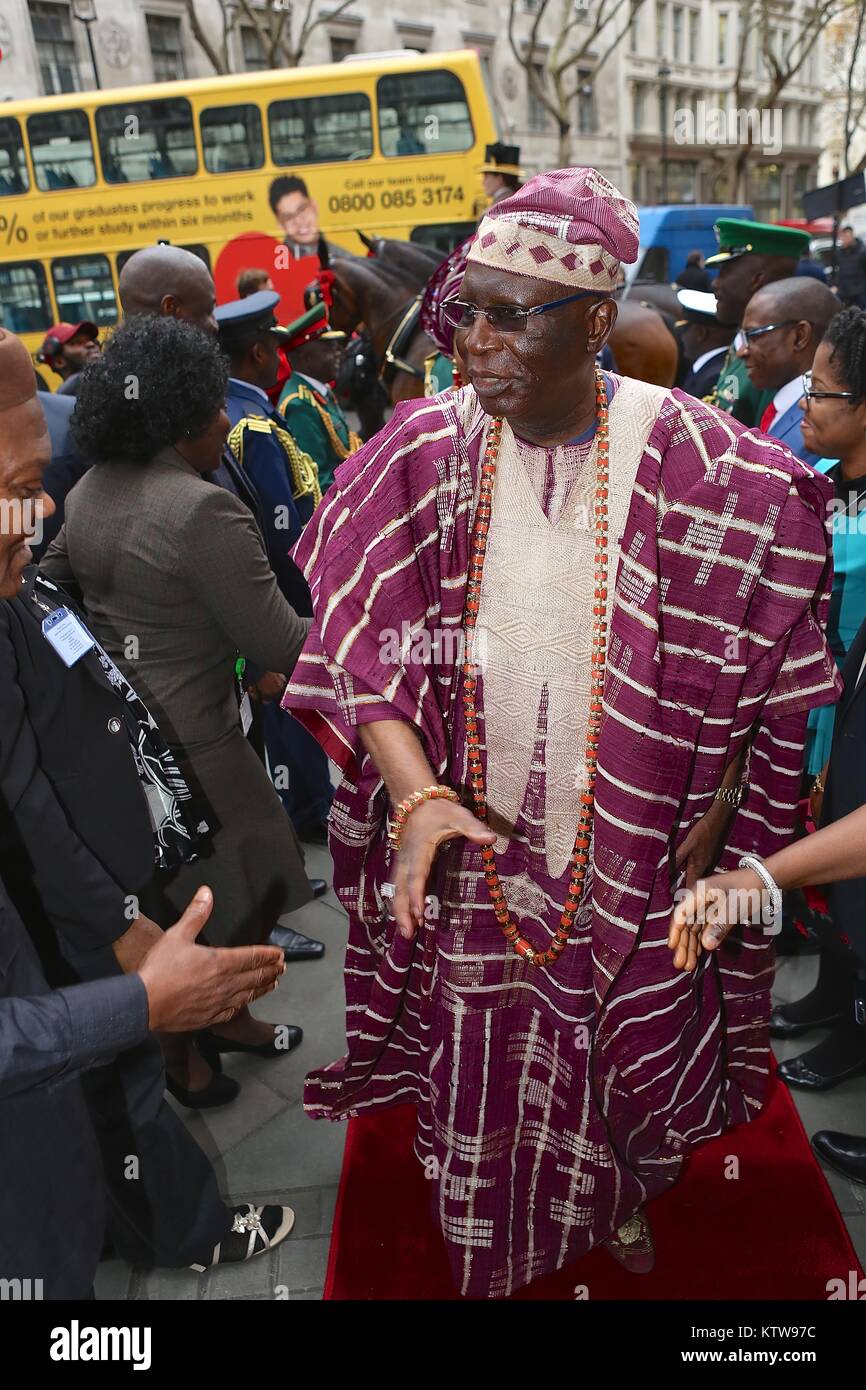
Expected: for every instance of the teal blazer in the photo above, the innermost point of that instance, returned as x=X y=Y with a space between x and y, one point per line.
x=847 y=612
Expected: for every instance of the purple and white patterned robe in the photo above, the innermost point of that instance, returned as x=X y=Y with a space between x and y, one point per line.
x=556 y=1102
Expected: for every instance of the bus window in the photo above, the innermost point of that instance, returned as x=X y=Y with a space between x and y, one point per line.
x=83 y=289
x=442 y=236
x=13 y=165
x=423 y=113
x=231 y=138
x=24 y=303
x=321 y=130
x=200 y=251
x=61 y=150
x=147 y=140
x=122 y=257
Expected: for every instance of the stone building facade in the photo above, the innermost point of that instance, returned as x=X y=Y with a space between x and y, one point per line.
x=650 y=119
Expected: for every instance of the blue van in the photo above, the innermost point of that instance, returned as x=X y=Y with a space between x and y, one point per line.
x=668 y=234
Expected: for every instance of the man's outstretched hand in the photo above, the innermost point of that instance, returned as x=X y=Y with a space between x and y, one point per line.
x=191 y=986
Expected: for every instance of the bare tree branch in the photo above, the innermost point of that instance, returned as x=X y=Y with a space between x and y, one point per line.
x=218 y=61
x=309 y=25
x=851 y=125
x=549 y=87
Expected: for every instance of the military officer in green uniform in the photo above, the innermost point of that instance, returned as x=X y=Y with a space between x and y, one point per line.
x=750 y=255
x=308 y=404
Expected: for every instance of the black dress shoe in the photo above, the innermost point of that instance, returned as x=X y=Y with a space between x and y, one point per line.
x=797 y=1072
x=295 y=946
x=286 y=1038
x=844 y=1152
x=220 y=1090
x=319 y=887
x=782 y=1027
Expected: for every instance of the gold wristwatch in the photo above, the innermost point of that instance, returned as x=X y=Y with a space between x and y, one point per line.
x=732 y=796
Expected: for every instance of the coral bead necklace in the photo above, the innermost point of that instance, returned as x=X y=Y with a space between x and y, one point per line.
x=478 y=547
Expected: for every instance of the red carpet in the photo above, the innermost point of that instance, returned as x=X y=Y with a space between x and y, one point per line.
x=772 y=1233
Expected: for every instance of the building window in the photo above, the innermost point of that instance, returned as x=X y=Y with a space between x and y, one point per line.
x=682 y=181
x=635 y=169
x=677 y=32
x=585 y=103
x=340 y=47
x=55 y=46
x=765 y=191
x=252 y=49
x=661 y=31
x=536 y=109
x=804 y=179
x=722 y=50
x=638 y=106
x=166 y=47
x=633 y=35
x=694 y=35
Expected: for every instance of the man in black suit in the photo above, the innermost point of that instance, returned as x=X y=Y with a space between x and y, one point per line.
x=705 y=341
x=76 y=847
x=65 y=466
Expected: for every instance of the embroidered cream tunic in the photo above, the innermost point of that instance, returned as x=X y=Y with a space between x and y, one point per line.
x=534 y=626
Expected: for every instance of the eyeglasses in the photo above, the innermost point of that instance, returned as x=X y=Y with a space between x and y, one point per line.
x=506 y=318
x=824 y=395
x=288 y=219
x=744 y=336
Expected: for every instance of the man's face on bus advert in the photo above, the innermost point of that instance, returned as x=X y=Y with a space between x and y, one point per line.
x=298 y=216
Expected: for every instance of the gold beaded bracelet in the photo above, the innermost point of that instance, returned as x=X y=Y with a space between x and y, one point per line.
x=402 y=812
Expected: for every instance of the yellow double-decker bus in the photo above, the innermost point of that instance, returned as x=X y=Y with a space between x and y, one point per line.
x=390 y=145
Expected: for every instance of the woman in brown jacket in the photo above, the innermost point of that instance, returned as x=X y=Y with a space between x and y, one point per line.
x=173 y=575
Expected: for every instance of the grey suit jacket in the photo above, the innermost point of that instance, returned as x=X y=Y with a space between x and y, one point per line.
x=177 y=586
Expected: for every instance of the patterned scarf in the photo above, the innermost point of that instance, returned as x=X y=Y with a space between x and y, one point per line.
x=177 y=829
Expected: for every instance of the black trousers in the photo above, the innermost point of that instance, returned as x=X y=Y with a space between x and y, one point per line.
x=163 y=1203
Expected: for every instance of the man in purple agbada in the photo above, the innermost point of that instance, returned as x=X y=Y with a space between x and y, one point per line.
x=557 y=1098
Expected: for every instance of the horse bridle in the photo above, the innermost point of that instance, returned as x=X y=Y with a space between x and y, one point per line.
x=393 y=361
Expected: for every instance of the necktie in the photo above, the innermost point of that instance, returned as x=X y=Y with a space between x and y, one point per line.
x=768 y=417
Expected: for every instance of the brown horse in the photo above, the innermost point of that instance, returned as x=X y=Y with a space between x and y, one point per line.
x=643 y=345
x=380 y=291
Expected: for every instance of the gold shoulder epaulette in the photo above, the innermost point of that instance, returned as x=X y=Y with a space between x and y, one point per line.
x=302 y=469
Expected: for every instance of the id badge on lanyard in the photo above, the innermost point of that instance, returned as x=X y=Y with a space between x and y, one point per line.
x=245 y=706
x=66 y=633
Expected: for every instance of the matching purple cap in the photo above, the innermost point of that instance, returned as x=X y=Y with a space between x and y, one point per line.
x=568 y=225
x=444 y=284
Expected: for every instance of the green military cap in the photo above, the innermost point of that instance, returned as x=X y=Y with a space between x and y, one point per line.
x=312 y=324
x=737 y=238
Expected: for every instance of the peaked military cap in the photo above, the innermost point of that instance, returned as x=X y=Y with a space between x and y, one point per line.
x=737 y=238
x=255 y=311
